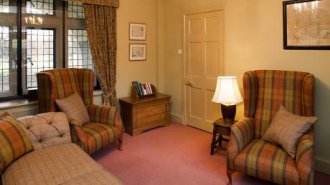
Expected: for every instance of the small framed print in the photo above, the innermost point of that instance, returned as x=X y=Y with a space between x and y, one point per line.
x=137 y=31
x=137 y=52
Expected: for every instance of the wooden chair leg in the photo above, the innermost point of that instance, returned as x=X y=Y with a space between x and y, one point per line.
x=120 y=142
x=229 y=173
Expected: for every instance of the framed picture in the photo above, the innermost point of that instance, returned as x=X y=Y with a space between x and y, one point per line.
x=137 y=31
x=137 y=52
x=306 y=24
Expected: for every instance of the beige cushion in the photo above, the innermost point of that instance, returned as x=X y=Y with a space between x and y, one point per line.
x=47 y=129
x=286 y=128
x=74 y=107
x=61 y=164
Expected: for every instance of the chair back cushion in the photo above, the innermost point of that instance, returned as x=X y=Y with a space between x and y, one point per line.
x=61 y=83
x=266 y=90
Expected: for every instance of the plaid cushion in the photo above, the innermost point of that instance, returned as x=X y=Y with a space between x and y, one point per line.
x=266 y=90
x=267 y=161
x=98 y=135
x=14 y=142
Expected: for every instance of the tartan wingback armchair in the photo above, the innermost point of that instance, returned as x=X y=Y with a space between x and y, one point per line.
x=105 y=126
x=264 y=92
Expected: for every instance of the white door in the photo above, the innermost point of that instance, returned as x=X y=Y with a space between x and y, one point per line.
x=204 y=61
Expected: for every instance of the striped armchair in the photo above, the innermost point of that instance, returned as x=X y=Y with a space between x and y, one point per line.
x=264 y=92
x=105 y=126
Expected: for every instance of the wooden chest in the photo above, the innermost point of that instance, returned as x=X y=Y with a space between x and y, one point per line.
x=139 y=115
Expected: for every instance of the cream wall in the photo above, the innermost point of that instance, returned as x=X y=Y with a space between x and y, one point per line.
x=253 y=41
x=141 y=11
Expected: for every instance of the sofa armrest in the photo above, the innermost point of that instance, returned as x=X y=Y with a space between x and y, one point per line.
x=242 y=133
x=78 y=134
x=305 y=159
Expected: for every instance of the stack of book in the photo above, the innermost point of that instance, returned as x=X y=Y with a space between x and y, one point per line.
x=142 y=89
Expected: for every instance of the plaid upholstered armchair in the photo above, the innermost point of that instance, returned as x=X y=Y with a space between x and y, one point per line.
x=264 y=92
x=105 y=124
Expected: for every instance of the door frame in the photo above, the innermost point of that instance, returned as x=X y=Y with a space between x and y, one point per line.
x=184 y=65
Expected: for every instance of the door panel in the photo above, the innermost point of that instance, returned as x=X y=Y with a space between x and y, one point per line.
x=196 y=58
x=212 y=58
x=212 y=25
x=195 y=23
x=197 y=110
x=204 y=40
x=213 y=109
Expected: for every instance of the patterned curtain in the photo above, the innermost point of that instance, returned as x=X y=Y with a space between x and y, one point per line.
x=102 y=36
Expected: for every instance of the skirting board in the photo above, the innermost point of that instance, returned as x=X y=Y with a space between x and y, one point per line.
x=176 y=117
x=322 y=165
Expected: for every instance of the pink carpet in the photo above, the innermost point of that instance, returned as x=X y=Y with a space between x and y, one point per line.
x=173 y=155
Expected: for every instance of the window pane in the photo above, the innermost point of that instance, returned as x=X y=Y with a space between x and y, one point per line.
x=4 y=58
x=45 y=7
x=39 y=53
x=4 y=6
x=8 y=48
x=79 y=54
x=76 y=10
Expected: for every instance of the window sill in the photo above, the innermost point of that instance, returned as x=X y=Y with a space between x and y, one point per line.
x=16 y=103
x=25 y=102
x=98 y=92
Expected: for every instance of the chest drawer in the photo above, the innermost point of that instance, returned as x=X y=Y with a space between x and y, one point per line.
x=150 y=113
x=141 y=115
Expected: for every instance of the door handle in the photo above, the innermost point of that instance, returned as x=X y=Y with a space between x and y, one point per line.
x=189 y=84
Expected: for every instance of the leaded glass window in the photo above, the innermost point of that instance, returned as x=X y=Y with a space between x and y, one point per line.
x=44 y=7
x=40 y=53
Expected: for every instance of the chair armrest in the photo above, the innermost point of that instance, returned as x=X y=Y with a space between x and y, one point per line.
x=78 y=134
x=242 y=133
x=102 y=114
x=305 y=159
x=106 y=115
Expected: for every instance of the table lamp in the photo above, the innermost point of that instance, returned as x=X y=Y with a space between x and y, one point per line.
x=228 y=95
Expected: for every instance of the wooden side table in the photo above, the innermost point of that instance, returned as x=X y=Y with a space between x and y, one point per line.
x=139 y=115
x=223 y=130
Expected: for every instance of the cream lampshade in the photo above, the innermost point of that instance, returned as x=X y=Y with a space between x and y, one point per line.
x=228 y=95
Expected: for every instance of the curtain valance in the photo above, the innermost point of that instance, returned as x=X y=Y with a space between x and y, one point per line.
x=112 y=3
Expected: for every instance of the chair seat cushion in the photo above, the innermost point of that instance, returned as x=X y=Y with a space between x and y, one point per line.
x=267 y=161
x=98 y=136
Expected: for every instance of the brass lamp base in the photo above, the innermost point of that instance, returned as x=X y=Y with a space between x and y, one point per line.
x=228 y=113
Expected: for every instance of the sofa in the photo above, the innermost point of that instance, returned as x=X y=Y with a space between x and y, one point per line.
x=53 y=159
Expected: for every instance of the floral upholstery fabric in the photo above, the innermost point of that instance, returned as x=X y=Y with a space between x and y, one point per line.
x=264 y=92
